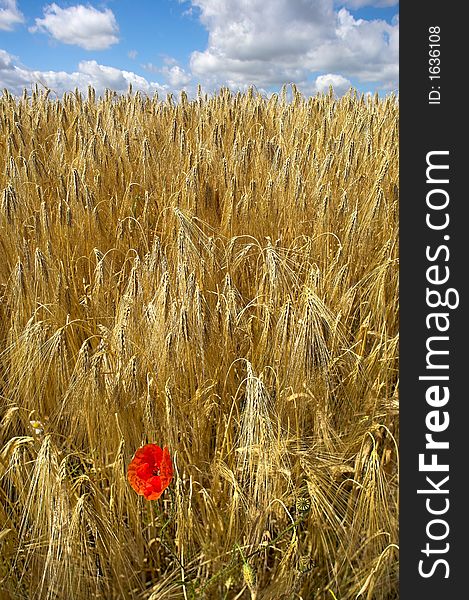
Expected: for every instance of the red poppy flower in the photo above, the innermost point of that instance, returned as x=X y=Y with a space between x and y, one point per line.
x=150 y=471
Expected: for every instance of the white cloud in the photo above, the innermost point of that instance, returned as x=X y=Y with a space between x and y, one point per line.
x=312 y=43
x=176 y=76
x=150 y=67
x=15 y=77
x=169 y=60
x=355 y=4
x=79 y=25
x=340 y=84
x=366 y=50
x=271 y=43
x=6 y=60
x=10 y=15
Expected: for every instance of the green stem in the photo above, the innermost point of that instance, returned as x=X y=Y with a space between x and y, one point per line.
x=165 y=525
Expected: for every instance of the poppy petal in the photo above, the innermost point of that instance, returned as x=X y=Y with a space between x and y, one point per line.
x=150 y=471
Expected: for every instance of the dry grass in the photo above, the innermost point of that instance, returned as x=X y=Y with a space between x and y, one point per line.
x=219 y=276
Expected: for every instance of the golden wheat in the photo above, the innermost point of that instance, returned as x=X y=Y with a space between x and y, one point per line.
x=218 y=275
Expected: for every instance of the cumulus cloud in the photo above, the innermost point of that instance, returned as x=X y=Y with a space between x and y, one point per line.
x=313 y=43
x=79 y=25
x=150 y=67
x=340 y=84
x=355 y=4
x=10 y=15
x=271 y=43
x=6 y=60
x=175 y=75
x=16 y=77
x=169 y=60
x=366 y=50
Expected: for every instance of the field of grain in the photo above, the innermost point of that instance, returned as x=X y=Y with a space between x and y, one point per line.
x=218 y=275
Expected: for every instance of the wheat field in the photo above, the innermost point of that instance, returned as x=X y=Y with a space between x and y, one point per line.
x=218 y=275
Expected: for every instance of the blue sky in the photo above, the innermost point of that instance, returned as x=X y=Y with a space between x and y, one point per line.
x=169 y=45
